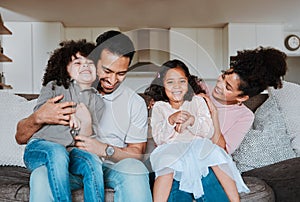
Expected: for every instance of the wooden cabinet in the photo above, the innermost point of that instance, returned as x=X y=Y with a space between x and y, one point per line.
x=199 y=48
x=29 y=47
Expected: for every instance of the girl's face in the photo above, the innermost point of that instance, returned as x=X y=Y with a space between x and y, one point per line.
x=82 y=70
x=227 y=90
x=176 y=86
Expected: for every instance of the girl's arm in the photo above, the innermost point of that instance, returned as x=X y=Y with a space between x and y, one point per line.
x=162 y=130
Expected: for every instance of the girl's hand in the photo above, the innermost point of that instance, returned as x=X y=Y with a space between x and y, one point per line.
x=181 y=127
x=182 y=119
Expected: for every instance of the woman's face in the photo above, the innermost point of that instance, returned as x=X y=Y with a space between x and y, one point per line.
x=227 y=90
x=176 y=85
x=82 y=70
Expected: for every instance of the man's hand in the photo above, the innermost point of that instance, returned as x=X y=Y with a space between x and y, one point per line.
x=49 y=113
x=55 y=113
x=91 y=145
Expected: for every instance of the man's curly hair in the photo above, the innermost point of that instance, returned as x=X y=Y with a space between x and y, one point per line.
x=156 y=90
x=258 y=69
x=56 y=69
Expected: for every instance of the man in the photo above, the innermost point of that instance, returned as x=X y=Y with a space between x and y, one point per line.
x=122 y=135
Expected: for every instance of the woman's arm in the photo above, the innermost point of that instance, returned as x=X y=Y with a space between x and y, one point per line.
x=49 y=113
x=217 y=137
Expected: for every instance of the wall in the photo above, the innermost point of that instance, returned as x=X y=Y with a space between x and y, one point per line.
x=293 y=73
x=218 y=43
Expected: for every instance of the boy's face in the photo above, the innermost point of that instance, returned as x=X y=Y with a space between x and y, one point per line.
x=82 y=70
x=111 y=70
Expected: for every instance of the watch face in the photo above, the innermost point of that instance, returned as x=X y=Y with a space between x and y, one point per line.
x=110 y=151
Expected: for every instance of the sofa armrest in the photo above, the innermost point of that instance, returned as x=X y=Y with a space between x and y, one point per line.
x=283 y=177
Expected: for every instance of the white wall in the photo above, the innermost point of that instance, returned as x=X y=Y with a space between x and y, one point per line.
x=217 y=44
x=293 y=73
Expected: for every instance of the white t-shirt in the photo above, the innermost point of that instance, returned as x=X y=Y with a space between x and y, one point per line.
x=125 y=118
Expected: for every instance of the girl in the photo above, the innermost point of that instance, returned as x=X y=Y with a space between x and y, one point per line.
x=182 y=126
x=69 y=72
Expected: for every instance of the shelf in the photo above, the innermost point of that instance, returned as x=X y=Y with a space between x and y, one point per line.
x=3 y=29
x=4 y=58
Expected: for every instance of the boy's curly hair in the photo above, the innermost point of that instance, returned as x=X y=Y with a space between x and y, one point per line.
x=258 y=69
x=56 y=69
x=156 y=90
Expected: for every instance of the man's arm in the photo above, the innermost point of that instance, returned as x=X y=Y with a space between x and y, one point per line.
x=49 y=113
x=133 y=150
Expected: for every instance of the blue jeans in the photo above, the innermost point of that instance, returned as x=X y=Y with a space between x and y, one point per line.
x=129 y=179
x=59 y=162
x=213 y=191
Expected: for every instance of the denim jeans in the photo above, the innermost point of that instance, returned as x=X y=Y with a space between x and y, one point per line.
x=213 y=191
x=59 y=162
x=129 y=179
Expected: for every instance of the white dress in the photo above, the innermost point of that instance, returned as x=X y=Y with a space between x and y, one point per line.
x=189 y=154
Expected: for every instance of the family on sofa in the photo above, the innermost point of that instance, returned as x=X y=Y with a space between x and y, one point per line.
x=120 y=139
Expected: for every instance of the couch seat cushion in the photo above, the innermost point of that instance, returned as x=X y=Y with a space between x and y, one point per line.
x=14 y=186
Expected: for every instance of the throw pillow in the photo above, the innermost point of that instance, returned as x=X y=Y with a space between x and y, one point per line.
x=13 y=108
x=288 y=100
x=266 y=142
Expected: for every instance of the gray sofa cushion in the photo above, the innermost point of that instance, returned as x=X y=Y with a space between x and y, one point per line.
x=267 y=142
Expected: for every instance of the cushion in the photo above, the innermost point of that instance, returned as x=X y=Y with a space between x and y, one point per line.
x=283 y=177
x=259 y=191
x=13 y=108
x=267 y=141
x=288 y=100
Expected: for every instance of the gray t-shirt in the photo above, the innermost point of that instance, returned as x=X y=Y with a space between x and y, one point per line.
x=60 y=133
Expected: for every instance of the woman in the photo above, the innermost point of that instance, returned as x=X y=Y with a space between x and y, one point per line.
x=250 y=73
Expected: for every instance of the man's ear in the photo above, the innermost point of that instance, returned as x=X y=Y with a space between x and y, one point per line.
x=243 y=98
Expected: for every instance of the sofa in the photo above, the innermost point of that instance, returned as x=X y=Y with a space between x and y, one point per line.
x=268 y=158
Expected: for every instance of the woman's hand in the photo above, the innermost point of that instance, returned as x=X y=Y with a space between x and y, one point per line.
x=212 y=108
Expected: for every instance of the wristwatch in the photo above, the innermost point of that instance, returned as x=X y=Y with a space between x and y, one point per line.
x=109 y=151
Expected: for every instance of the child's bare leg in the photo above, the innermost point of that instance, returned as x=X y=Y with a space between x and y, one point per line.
x=162 y=187
x=228 y=184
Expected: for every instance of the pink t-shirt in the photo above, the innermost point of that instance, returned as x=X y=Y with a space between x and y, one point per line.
x=235 y=122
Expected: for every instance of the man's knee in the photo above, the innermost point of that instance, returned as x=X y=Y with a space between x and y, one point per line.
x=131 y=166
